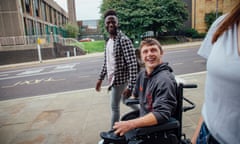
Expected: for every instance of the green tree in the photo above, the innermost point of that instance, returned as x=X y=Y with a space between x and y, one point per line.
x=139 y=16
x=71 y=30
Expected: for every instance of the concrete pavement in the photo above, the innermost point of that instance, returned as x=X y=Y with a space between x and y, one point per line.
x=75 y=117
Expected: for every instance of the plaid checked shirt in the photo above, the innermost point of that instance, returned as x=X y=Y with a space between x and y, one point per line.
x=125 y=62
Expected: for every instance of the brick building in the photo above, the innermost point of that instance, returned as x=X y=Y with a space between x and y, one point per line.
x=24 y=24
x=202 y=7
x=89 y=29
x=31 y=17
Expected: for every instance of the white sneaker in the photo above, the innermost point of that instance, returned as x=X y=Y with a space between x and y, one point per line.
x=101 y=141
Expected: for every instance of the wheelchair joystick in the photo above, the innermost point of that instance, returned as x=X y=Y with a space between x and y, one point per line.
x=111 y=137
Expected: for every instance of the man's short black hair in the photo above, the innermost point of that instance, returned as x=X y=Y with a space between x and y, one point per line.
x=110 y=12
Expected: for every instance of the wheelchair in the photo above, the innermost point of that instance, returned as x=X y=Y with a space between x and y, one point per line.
x=166 y=133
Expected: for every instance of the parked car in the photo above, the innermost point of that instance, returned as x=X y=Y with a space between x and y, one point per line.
x=86 y=40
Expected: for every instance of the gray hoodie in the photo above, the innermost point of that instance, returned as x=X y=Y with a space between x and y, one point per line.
x=157 y=92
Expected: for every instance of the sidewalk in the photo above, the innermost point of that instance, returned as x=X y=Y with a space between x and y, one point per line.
x=75 y=117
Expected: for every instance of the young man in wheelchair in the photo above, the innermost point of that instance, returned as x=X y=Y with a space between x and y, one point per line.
x=155 y=88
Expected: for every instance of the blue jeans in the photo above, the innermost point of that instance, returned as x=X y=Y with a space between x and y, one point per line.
x=205 y=136
x=116 y=96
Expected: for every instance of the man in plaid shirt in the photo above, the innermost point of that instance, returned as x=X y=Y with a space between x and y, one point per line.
x=120 y=65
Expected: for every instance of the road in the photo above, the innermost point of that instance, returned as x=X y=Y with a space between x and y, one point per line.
x=75 y=74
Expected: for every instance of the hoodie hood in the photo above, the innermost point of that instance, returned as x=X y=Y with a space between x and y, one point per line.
x=161 y=67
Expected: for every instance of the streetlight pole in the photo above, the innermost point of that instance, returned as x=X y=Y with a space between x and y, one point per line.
x=38 y=40
x=195 y=14
x=217 y=9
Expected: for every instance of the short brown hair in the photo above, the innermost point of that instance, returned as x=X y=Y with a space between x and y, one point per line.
x=150 y=42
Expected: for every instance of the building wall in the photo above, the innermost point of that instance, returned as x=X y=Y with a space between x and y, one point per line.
x=16 y=20
x=71 y=11
x=201 y=7
x=10 y=18
x=42 y=17
x=89 y=29
x=30 y=17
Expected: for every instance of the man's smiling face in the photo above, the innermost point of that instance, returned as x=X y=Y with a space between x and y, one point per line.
x=111 y=24
x=151 y=56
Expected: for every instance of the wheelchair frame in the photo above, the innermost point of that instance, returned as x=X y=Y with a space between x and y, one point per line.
x=170 y=131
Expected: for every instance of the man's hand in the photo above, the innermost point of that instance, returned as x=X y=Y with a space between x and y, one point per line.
x=123 y=126
x=127 y=93
x=98 y=85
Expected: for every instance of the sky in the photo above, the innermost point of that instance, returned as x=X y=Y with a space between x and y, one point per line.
x=85 y=9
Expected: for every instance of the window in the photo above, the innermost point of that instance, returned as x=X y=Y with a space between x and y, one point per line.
x=55 y=17
x=36 y=3
x=30 y=30
x=23 y=6
x=25 y=26
x=50 y=15
x=27 y=6
x=40 y=29
x=47 y=12
x=44 y=11
x=59 y=16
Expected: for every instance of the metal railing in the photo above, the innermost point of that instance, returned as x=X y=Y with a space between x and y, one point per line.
x=31 y=40
x=67 y=41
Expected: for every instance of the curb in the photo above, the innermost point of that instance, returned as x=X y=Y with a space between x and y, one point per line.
x=185 y=45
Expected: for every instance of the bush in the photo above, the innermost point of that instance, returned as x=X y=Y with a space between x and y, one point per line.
x=71 y=30
x=193 y=33
x=210 y=18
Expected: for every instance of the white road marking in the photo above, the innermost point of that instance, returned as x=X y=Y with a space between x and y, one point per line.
x=3 y=75
x=62 y=68
x=32 y=82
x=43 y=73
x=65 y=66
x=35 y=72
x=84 y=76
x=29 y=72
x=177 y=63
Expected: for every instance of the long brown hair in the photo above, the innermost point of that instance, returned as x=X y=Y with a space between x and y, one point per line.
x=231 y=18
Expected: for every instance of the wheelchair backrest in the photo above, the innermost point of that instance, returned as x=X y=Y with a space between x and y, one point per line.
x=180 y=109
x=178 y=112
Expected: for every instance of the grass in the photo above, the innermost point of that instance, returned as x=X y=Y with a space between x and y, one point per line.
x=91 y=47
x=98 y=46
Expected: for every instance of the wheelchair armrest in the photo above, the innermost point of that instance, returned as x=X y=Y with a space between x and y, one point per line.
x=189 y=85
x=132 y=101
x=171 y=124
x=130 y=115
